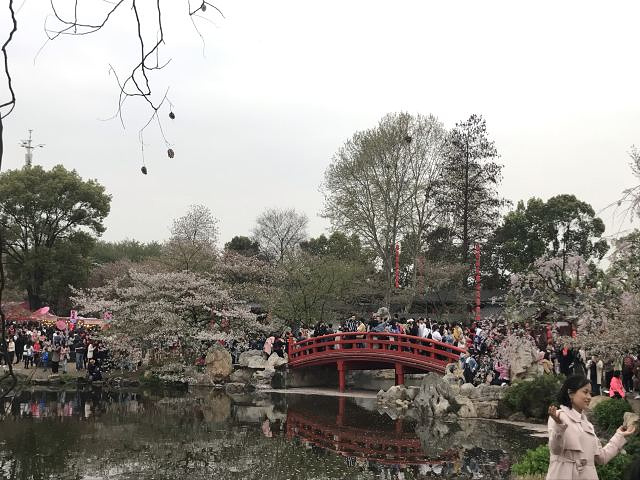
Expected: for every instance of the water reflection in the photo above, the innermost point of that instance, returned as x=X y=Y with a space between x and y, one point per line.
x=203 y=434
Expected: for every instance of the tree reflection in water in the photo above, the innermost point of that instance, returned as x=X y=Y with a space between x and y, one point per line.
x=206 y=434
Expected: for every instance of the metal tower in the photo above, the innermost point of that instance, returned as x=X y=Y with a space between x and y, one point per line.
x=29 y=147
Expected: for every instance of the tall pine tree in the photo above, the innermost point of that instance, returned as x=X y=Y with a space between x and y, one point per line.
x=471 y=177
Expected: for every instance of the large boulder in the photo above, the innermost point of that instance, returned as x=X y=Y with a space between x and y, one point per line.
x=435 y=398
x=276 y=360
x=218 y=364
x=241 y=375
x=262 y=378
x=252 y=359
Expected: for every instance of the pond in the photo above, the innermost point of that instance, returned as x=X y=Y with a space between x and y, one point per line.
x=205 y=434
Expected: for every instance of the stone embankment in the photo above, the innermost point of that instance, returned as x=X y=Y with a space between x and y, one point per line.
x=443 y=396
x=254 y=371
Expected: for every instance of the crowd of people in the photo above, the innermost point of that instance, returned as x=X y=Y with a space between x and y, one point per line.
x=33 y=345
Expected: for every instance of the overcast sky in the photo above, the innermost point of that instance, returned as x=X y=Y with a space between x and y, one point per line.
x=282 y=85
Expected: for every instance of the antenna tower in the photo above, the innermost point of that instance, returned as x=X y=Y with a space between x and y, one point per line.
x=29 y=147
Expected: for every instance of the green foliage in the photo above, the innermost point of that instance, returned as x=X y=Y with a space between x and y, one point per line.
x=243 y=245
x=312 y=287
x=609 y=414
x=50 y=220
x=561 y=226
x=133 y=250
x=615 y=469
x=338 y=245
x=533 y=397
x=535 y=461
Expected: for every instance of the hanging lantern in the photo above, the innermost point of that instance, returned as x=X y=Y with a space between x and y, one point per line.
x=172 y=115
x=171 y=153
x=144 y=170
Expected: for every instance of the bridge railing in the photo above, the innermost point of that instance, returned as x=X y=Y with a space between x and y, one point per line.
x=394 y=344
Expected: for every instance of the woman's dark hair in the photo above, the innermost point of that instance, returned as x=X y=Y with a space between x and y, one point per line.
x=571 y=384
x=616 y=373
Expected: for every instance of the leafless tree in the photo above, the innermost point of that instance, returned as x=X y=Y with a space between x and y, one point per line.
x=193 y=239
x=381 y=185
x=67 y=19
x=279 y=231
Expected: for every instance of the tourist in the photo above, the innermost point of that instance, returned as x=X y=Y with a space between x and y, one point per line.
x=573 y=445
x=55 y=358
x=278 y=347
x=11 y=350
x=36 y=353
x=64 y=357
x=436 y=335
x=79 y=348
x=616 y=389
x=594 y=374
x=93 y=371
x=627 y=372
x=27 y=354
x=90 y=350
x=267 y=348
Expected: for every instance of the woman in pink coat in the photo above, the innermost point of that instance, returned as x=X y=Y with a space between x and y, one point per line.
x=575 y=449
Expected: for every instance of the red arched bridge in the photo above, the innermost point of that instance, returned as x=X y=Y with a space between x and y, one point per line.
x=372 y=351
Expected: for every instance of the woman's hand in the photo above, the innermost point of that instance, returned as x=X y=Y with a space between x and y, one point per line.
x=627 y=431
x=554 y=413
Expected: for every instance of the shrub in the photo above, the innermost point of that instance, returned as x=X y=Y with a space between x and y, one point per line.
x=533 y=397
x=609 y=414
x=534 y=461
x=615 y=469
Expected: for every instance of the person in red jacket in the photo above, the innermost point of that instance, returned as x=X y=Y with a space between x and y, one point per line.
x=616 y=390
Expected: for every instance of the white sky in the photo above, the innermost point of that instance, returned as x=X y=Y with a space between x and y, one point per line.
x=283 y=84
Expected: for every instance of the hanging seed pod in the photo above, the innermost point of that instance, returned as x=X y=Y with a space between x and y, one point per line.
x=203 y=7
x=144 y=170
x=172 y=115
x=171 y=153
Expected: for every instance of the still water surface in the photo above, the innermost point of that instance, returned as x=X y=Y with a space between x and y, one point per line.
x=205 y=434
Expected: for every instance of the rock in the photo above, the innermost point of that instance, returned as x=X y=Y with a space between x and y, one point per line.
x=523 y=361
x=518 y=417
x=241 y=375
x=630 y=418
x=218 y=363
x=467 y=389
x=397 y=392
x=467 y=410
x=262 y=378
x=252 y=359
x=276 y=360
x=435 y=397
x=412 y=393
x=233 y=388
x=487 y=409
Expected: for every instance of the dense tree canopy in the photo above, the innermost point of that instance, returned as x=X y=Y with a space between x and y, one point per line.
x=50 y=220
x=562 y=226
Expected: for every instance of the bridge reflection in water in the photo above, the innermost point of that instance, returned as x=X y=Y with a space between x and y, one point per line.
x=378 y=443
x=395 y=447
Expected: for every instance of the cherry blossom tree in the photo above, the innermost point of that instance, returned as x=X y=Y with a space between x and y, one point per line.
x=177 y=313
